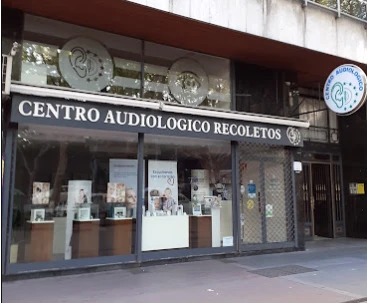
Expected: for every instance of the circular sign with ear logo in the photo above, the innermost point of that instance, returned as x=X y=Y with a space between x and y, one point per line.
x=188 y=82
x=86 y=64
x=345 y=90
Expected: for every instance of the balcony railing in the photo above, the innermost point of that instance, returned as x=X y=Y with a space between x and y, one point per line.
x=353 y=8
x=6 y=70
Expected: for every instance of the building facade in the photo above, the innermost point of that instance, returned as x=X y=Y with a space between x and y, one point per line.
x=139 y=132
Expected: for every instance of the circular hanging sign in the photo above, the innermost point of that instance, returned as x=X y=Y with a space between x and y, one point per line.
x=250 y=204
x=188 y=82
x=86 y=64
x=345 y=90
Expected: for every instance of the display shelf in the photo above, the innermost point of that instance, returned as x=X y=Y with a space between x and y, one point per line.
x=200 y=230
x=116 y=237
x=39 y=246
x=85 y=238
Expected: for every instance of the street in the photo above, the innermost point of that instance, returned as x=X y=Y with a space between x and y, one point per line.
x=328 y=271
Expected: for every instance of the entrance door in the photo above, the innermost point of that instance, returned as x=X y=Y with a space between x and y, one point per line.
x=251 y=206
x=321 y=201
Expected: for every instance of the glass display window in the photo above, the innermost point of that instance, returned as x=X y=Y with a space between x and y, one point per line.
x=188 y=193
x=74 y=194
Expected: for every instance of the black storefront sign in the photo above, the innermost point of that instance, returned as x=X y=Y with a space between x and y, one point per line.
x=60 y=112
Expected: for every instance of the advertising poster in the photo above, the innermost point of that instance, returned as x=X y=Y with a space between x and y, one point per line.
x=79 y=193
x=41 y=193
x=200 y=185
x=162 y=186
x=126 y=171
x=115 y=193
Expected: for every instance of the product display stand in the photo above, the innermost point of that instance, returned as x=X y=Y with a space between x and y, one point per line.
x=117 y=239
x=216 y=227
x=200 y=230
x=85 y=238
x=165 y=232
x=39 y=247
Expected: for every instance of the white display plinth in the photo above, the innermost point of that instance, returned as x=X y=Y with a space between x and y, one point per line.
x=216 y=227
x=165 y=232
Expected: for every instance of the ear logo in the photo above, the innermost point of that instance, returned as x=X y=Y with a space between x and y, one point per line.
x=345 y=89
x=171 y=181
x=86 y=64
x=341 y=95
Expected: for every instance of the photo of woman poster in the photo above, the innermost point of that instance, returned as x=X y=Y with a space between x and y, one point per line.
x=41 y=193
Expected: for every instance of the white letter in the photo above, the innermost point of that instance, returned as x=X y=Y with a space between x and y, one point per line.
x=160 y=123
x=171 y=123
x=153 y=123
x=38 y=109
x=271 y=133
x=118 y=118
x=264 y=129
x=131 y=115
x=256 y=132
x=206 y=127
x=79 y=113
x=241 y=130
x=67 y=111
x=232 y=132
x=197 y=130
x=182 y=127
x=218 y=128
x=54 y=111
x=21 y=108
x=109 y=118
x=225 y=128
x=97 y=115
x=278 y=134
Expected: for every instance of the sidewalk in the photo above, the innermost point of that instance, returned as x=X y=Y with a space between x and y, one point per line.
x=328 y=271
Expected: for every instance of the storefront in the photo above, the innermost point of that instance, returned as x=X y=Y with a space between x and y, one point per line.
x=99 y=174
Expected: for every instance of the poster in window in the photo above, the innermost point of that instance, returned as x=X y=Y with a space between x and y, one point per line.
x=79 y=196
x=126 y=171
x=41 y=193
x=200 y=185
x=115 y=193
x=162 y=186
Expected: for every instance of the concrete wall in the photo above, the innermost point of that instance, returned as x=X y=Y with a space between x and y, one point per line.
x=282 y=20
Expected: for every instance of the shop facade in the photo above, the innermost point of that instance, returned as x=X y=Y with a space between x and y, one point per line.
x=120 y=150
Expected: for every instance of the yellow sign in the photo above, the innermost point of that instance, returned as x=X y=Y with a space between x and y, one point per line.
x=250 y=204
x=360 y=188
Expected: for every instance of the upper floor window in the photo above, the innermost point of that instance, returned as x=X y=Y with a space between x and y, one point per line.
x=323 y=122
x=74 y=57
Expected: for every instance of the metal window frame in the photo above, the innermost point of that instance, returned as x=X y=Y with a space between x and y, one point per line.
x=7 y=198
